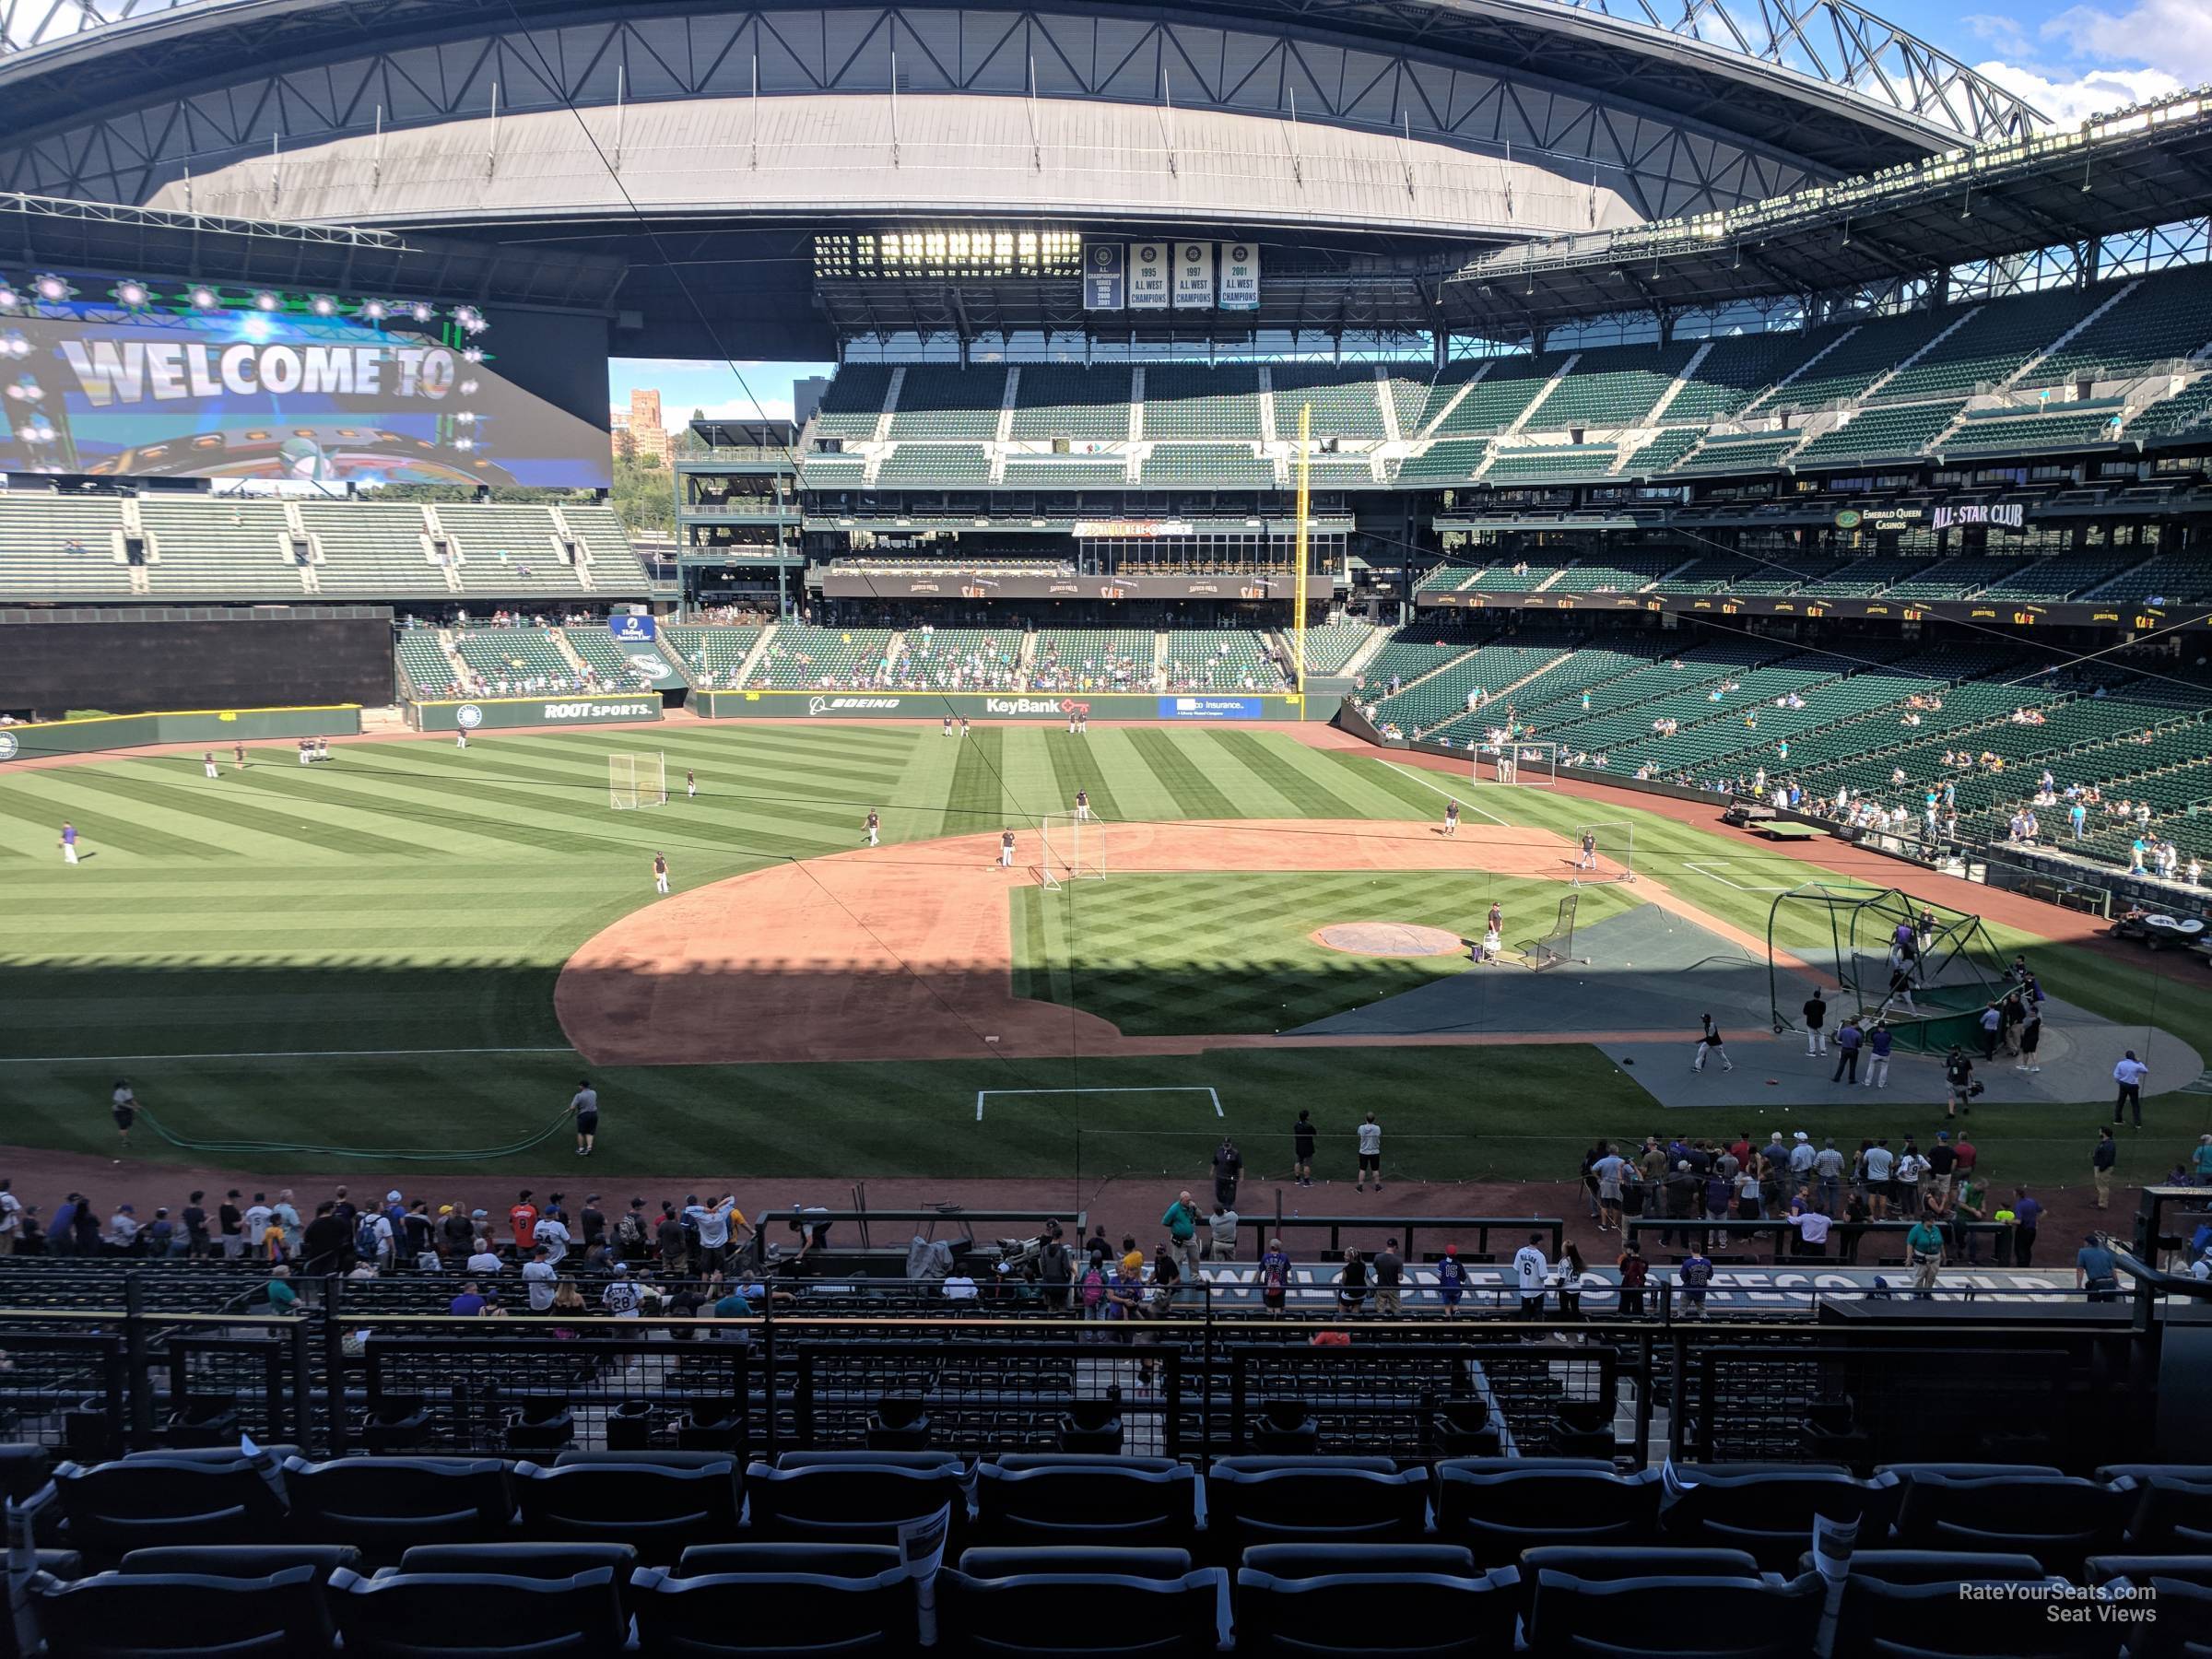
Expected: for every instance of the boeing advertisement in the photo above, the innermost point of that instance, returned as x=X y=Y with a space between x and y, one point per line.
x=310 y=390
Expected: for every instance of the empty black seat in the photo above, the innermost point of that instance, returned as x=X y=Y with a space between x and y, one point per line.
x=241 y=1560
x=537 y=1426
x=1292 y=1501
x=1936 y=1566
x=1498 y=1507
x=779 y=1614
x=1053 y=1615
x=1322 y=1560
x=1462 y=1428
x=2181 y=1625
x=1763 y=1618
x=657 y=1459
x=389 y=1504
x=899 y=1423
x=1106 y=1561
x=1933 y=1620
x=1283 y=1428
x=851 y=1502
x=394 y=1423
x=479 y=1615
x=539 y=1560
x=654 y=1509
x=2173 y=1515
x=824 y=1560
x=2142 y=1569
x=869 y=1460
x=1596 y=1563
x=1435 y=1615
x=2057 y=1518
x=25 y=1467
x=1091 y=1425
x=109 y=1510
x=1771 y=1513
x=152 y=1615
x=1081 y=1500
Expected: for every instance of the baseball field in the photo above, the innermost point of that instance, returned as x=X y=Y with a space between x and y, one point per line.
x=417 y=948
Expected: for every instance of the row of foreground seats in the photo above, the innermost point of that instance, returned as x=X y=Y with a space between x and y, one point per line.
x=780 y=1601
x=660 y=1503
x=694 y=1555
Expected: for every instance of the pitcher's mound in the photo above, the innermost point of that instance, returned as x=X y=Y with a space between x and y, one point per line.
x=1390 y=939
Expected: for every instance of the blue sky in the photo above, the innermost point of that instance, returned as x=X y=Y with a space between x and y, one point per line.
x=2068 y=60
x=686 y=386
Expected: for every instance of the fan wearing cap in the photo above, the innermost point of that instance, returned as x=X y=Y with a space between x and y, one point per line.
x=456 y=1233
x=1451 y=1281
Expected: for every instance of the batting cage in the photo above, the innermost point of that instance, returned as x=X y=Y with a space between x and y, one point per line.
x=1071 y=846
x=1604 y=852
x=1530 y=763
x=1925 y=969
x=1557 y=947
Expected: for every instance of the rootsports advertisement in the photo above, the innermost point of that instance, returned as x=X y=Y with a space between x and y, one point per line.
x=988 y=705
x=487 y=713
x=273 y=388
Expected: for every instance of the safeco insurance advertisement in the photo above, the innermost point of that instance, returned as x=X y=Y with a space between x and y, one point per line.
x=196 y=383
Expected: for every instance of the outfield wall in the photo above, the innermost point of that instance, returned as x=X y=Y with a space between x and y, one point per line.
x=218 y=727
x=499 y=714
x=1196 y=707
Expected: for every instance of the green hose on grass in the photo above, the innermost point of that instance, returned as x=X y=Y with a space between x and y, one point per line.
x=374 y=1154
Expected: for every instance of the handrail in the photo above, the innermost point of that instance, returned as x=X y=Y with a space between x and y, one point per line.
x=1403 y=1228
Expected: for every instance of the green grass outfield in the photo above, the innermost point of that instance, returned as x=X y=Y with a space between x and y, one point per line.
x=245 y=942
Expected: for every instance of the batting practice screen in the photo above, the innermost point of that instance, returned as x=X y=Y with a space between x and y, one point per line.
x=127 y=662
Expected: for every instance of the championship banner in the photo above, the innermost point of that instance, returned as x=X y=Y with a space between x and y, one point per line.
x=1239 y=276
x=1194 y=275
x=1148 y=276
x=1045 y=584
x=1105 y=276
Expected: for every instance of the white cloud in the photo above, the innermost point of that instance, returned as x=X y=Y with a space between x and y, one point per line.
x=2069 y=100
x=2174 y=34
x=771 y=406
x=2004 y=34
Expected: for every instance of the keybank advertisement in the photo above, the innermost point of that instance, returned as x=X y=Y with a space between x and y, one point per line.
x=306 y=391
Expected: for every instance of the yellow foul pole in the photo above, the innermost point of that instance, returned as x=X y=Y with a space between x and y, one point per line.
x=1305 y=474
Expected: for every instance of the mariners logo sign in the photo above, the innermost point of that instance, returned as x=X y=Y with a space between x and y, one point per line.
x=7 y=746
x=468 y=717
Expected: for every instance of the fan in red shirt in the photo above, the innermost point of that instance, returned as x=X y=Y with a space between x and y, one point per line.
x=523 y=1218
